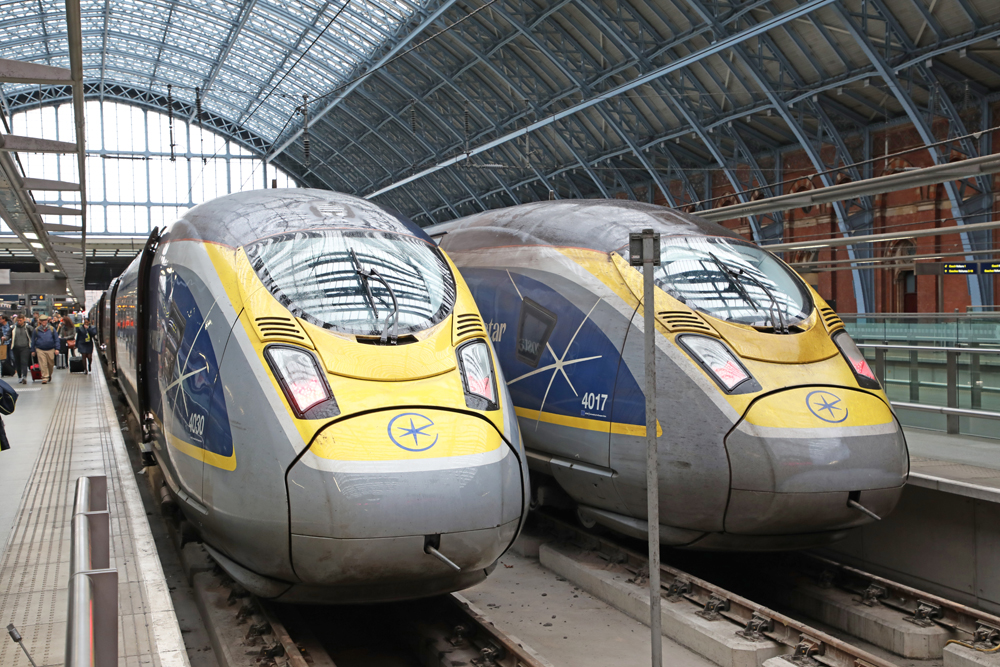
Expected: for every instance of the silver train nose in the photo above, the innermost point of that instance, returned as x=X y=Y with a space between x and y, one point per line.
x=799 y=455
x=377 y=494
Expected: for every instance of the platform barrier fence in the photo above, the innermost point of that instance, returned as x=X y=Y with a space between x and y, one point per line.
x=92 y=622
x=951 y=389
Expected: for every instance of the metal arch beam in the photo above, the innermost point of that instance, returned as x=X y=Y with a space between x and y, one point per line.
x=145 y=99
x=361 y=72
x=920 y=124
x=584 y=88
x=641 y=80
x=781 y=108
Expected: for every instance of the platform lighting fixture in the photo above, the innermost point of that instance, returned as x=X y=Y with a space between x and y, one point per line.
x=31 y=235
x=37 y=245
x=50 y=263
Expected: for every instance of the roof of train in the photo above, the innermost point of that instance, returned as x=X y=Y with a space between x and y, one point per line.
x=598 y=224
x=238 y=219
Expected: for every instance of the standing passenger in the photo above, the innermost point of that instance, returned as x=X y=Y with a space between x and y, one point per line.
x=20 y=345
x=45 y=344
x=85 y=336
x=67 y=333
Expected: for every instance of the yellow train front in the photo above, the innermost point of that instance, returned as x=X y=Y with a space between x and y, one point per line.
x=316 y=382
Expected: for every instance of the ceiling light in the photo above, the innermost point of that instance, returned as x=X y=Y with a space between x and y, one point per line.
x=30 y=235
x=50 y=263
x=37 y=245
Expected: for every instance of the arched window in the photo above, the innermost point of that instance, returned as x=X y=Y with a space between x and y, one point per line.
x=134 y=180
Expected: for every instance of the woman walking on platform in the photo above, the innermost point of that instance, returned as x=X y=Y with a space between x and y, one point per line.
x=67 y=338
x=85 y=336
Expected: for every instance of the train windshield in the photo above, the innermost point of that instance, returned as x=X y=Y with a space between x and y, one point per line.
x=356 y=281
x=732 y=280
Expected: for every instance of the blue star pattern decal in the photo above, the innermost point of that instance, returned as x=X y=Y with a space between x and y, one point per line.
x=412 y=425
x=827 y=406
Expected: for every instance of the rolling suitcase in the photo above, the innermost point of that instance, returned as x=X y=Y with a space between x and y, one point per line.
x=36 y=372
x=77 y=365
x=7 y=368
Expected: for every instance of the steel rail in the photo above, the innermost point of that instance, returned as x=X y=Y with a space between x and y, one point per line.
x=718 y=603
x=920 y=607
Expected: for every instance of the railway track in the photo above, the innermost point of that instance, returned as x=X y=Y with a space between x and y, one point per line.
x=890 y=609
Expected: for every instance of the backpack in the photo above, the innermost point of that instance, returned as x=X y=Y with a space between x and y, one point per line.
x=8 y=401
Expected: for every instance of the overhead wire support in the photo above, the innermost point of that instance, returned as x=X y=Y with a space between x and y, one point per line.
x=201 y=123
x=170 y=120
x=305 y=129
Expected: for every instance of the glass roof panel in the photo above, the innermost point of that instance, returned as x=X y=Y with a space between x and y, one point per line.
x=153 y=43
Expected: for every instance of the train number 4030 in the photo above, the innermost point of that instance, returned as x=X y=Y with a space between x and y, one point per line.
x=594 y=401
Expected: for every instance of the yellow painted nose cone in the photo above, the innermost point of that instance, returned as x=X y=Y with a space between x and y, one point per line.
x=819 y=407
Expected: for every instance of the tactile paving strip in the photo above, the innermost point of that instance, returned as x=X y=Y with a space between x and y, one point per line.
x=34 y=571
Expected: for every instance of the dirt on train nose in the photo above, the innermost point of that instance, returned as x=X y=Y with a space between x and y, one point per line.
x=799 y=455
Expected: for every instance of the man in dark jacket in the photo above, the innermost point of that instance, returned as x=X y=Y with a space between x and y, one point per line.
x=45 y=344
x=20 y=346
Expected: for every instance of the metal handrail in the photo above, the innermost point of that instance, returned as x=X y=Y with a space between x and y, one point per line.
x=952 y=412
x=959 y=412
x=930 y=348
x=921 y=316
x=92 y=622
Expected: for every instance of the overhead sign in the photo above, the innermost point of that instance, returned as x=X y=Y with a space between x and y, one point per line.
x=989 y=267
x=964 y=268
x=37 y=297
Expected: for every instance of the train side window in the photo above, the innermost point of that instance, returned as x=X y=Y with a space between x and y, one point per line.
x=534 y=327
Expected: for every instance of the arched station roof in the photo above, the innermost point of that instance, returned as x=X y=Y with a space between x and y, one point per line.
x=573 y=97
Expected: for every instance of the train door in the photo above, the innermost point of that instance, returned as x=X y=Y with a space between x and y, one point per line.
x=111 y=324
x=145 y=311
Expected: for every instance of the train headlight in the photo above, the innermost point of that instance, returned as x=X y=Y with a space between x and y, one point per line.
x=721 y=364
x=862 y=371
x=478 y=377
x=303 y=382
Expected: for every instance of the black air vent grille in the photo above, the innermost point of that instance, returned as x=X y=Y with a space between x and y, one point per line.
x=679 y=320
x=283 y=328
x=468 y=324
x=830 y=319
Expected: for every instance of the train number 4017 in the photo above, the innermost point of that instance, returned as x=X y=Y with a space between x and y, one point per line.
x=594 y=401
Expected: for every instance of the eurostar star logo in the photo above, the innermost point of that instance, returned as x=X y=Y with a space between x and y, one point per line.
x=412 y=425
x=827 y=406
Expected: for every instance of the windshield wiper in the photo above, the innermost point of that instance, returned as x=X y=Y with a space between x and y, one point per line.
x=734 y=281
x=778 y=324
x=364 y=283
x=775 y=307
x=372 y=273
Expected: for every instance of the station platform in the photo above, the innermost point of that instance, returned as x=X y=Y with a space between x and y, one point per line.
x=960 y=464
x=59 y=432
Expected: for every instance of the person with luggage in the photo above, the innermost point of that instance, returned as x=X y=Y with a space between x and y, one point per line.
x=67 y=339
x=45 y=343
x=21 y=337
x=85 y=337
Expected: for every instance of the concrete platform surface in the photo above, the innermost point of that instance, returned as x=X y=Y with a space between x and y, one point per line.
x=565 y=624
x=59 y=432
x=960 y=464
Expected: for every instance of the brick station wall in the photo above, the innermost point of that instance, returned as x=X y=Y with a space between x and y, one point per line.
x=911 y=209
